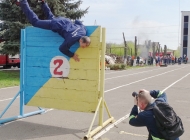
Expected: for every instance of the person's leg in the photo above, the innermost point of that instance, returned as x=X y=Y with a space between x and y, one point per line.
x=47 y=11
x=33 y=18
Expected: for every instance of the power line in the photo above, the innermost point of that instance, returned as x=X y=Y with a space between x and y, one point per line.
x=142 y=27
x=149 y=33
x=144 y=39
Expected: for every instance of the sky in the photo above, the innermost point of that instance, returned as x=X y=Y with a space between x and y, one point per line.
x=155 y=20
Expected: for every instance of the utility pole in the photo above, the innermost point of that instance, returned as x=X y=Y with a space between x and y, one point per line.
x=108 y=48
x=125 y=49
x=165 y=49
x=95 y=22
x=135 y=47
x=157 y=45
x=153 y=49
x=159 y=49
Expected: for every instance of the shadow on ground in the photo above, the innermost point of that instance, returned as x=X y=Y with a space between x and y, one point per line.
x=21 y=130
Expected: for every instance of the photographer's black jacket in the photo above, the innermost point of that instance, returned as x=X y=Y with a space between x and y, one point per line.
x=146 y=117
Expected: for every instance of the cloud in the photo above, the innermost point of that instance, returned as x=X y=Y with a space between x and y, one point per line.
x=133 y=17
x=154 y=31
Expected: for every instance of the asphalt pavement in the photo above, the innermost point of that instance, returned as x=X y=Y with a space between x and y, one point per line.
x=69 y=125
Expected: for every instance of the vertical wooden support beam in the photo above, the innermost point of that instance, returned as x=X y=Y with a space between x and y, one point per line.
x=102 y=103
x=102 y=74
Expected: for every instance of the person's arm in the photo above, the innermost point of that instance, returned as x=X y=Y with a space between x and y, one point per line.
x=64 y=48
x=136 y=119
x=47 y=11
x=158 y=94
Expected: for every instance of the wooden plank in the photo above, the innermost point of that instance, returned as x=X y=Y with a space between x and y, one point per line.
x=65 y=94
x=63 y=104
x=44 y=44
x=85 y=64
x=80 y=90
x=44 y=39
x=44 y=62
x=52 y=39
x=80 y=74
x=60 y=83
x=73 y=74
x=32 y=31
x=97 y=32
x=84 y=52
x=88 y=53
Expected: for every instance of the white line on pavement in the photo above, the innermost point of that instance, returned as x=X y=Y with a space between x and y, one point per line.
x=131 y=74
x=8 y=87
x=23 y=118
x=12 y=122
x=132 y=134
x=48 y=110
x=124 y=70
x=126 y=116
x=110 y=126
x=141 y=80
x=6 y=99
x=175 y=82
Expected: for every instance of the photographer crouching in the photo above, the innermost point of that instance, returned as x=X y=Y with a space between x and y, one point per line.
x=149 y=102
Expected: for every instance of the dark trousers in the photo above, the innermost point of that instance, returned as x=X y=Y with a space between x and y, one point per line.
x=33 y=18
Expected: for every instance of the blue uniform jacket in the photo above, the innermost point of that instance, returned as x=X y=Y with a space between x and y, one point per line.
x=146 y=117
x=71 y=32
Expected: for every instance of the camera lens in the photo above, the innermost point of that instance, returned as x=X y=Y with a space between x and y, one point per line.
x=134 y=94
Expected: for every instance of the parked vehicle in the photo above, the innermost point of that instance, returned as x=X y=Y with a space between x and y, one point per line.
x=8 y=61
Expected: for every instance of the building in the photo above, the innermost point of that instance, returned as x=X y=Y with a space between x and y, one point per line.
x=185 y=33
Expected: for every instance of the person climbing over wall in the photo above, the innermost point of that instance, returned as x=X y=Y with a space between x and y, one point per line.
x=71 y=32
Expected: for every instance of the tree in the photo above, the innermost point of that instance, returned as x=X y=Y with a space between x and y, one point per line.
x=14 y=19
x=177 y=52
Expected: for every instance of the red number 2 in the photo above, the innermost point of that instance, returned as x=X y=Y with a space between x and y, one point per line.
x=60 y=62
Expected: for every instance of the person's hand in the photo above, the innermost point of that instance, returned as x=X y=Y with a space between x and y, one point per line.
x=143 y=90
x=76 y=57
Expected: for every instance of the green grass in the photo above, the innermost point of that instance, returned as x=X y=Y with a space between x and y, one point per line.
x=9 y=78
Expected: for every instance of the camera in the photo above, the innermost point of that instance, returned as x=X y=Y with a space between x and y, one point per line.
x=134 y=94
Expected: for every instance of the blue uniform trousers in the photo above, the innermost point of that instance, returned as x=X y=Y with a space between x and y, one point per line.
x=33 y=18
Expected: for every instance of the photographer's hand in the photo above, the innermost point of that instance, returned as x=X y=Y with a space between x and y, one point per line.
x=143 y=90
